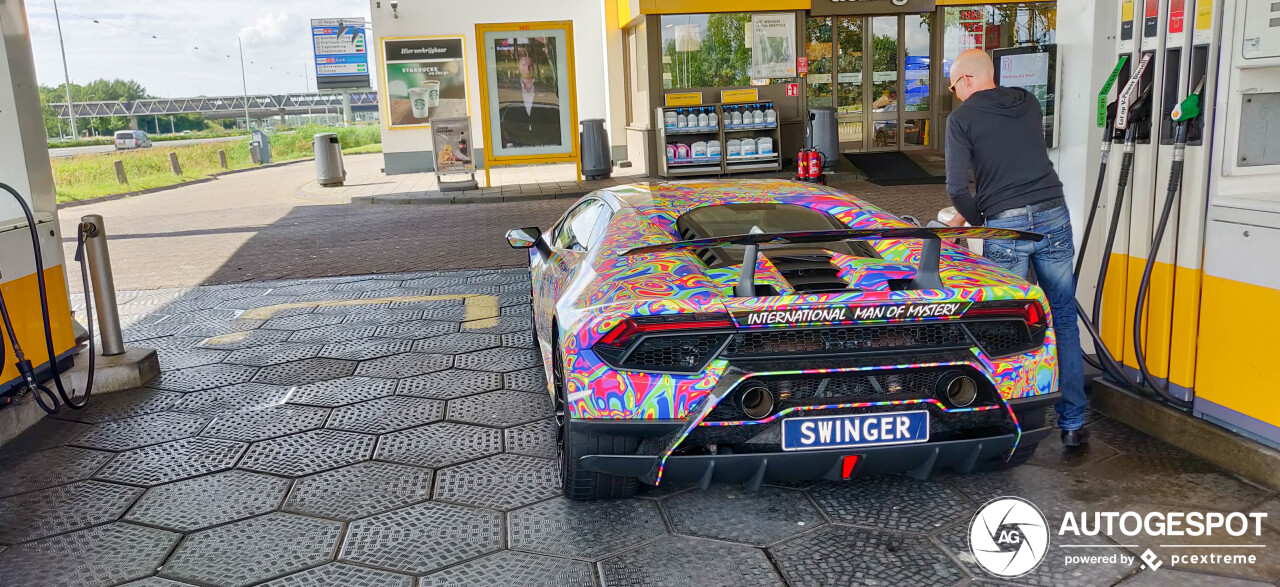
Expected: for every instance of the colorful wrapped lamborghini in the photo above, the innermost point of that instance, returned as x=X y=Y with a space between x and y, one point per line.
x=765 y=331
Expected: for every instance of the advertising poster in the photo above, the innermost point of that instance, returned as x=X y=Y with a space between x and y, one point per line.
x=341 y=55
x=426 y=78
x=1034 y=70
x=528 y=92
x=773 y=46
x=451 y=139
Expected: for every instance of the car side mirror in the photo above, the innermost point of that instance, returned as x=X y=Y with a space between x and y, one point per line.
x=523 y=238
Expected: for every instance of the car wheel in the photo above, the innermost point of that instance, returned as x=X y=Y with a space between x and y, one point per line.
x=578 y=483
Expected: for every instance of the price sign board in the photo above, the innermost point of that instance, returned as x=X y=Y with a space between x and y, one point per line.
x=341 y=53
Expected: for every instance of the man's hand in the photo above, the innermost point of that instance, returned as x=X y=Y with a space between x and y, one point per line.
x=956 y=221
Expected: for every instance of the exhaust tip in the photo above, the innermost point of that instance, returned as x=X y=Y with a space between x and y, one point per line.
x=756 y=401
x=957 y=389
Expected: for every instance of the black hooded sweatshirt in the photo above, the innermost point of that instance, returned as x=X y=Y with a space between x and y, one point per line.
x=999 y=133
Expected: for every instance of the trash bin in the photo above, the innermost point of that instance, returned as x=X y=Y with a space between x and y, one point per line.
x=824 y=135
x=329 y=170
x=260 y=147
x=596 y=160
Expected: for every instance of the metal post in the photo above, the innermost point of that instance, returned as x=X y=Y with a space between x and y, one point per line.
x=346 y=108
x=71 y=106
x=245 y=82
x=103 y=284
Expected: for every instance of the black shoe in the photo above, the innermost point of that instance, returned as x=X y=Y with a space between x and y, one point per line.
x=1074 y=437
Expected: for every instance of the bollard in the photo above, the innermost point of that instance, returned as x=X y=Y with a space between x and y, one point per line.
x=222 y=159
x=104 y=290
x=120 y=175
x=173 y=164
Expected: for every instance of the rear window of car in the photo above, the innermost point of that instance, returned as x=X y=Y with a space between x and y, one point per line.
x=732 y=219
x=124 y=134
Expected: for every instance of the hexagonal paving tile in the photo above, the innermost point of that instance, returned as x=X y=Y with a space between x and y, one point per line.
x=404 y=365
x=122 y=404
x=439 y=445
x=500 y=359
x=514 y=568
x=416 y=329
x=689 y=561
x=505 y=323
x=334 y=334
x=360 y=490
x=386 y=414
x=449 y=384
x=171 y=359
x=48 y=468
x=210 y=500
x=841 y=555
x=522 y=340
x=305 y=371
x=363 y=350
x=434 y=281
x=1165 y=577
x=245 y=339
x=532 y=380
x=521 y=310
x=206 y=377
x=171 y=461
x=584 y=530
x=501 y=481
x=212 y=329
x=44 y=433
x=303 y=322
x=729 y=512
x=1174 y=482
x=308 y=452
x=267 y=422
x=536 y=439
x=156 y=582
x=458 y=342
x=344 y=575
x=422 y=538
x=1053 y=570
x=62 y=509
x=141 y=431
x=253 y=550
x=379 y=316
x=500 y=408
x=103 y=555
x=342 y=391
x=893 y=502
x=455 y=312
x=148 y=331
x=501 y=278
x=233 y=398
x=273 y=354
x=1055 y=492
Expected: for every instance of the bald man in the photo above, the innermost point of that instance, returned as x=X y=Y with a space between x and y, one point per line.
x=997 y=133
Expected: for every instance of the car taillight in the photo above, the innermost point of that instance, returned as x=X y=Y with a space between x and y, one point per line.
x=681 y=343
x=1004 y=328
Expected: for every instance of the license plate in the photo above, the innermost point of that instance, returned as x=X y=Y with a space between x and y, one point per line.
x=855 y=430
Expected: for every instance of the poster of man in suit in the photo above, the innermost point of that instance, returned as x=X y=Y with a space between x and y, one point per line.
x=528 y=92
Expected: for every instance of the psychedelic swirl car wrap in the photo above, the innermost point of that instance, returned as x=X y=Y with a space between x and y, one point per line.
x=666 y=363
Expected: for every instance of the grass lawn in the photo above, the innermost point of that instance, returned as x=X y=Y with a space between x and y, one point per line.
x=370 y=148
x=90 y=176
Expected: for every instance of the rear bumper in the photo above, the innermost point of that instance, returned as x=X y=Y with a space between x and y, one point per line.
x=915 y=460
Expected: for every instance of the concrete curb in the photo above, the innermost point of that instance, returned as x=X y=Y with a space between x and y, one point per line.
x=211 y=177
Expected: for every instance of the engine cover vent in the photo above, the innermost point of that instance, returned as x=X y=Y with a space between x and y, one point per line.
x=809 y=273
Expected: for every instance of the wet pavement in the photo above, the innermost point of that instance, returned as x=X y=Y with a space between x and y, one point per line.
x=395 y=430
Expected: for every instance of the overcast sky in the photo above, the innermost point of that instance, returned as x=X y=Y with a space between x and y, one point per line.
x=189 y=56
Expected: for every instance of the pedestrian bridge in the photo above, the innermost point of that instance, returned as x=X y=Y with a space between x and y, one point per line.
x=260 y=106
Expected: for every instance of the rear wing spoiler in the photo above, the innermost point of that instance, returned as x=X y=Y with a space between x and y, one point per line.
x=927 y=276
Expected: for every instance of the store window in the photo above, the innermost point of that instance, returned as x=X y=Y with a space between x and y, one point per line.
x=818 y=49
x=637 y=76
x=715 y=50
x=997 y=26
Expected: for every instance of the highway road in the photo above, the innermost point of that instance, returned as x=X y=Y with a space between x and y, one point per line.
x=71 y=151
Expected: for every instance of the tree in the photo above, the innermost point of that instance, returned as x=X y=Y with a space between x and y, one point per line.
x=103 y=90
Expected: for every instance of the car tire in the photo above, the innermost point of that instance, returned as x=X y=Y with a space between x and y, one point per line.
x=578 y=483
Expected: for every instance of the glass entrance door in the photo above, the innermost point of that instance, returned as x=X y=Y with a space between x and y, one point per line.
x=875 y=71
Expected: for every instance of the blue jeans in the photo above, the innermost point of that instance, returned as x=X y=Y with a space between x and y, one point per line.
x=1052 y=258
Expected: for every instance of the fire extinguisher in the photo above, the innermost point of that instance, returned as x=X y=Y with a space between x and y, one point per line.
x=802 y=164
x=815 y=166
